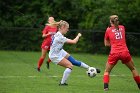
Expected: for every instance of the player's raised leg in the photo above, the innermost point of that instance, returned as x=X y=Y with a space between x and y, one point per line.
x=65 y=63
x=135 y=74
x=79 y=63
x=106 y=77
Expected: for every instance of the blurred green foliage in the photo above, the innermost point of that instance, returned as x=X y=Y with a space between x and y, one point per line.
x=81 y=14
x=92 y=15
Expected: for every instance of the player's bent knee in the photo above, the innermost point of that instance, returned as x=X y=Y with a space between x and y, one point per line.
x=107 y=71
x=43 y=56
x=130 y=66
x=132 y=69
x=70 y=66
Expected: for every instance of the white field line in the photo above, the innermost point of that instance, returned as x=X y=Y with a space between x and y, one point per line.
x=1 y=77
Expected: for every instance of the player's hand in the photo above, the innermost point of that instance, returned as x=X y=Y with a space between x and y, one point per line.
x=79 y=34
x=51 y=33
x=60 y=21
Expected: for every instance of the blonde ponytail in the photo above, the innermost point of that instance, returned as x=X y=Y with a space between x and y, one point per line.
x=63 y=23
x=115 y=21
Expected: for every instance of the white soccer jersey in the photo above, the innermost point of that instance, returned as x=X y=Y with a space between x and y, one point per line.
x=57 y=53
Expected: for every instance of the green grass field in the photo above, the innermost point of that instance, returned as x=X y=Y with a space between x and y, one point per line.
x=18 y=75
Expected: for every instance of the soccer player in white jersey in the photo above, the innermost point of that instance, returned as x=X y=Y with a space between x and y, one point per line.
x=59 y=56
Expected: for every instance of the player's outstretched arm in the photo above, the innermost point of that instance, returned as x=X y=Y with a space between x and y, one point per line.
x=45 y=35
x=106 y=42
x=74 y=41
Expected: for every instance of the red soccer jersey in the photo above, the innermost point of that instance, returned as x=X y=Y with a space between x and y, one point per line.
x=116 y=38
x=48 y=29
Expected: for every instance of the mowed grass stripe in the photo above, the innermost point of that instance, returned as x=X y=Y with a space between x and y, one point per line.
x=18 y=75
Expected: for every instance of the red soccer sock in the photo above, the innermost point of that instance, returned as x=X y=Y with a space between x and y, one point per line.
x=106 y=79
x=137 y=79
x=40 y=62
x=49 y=61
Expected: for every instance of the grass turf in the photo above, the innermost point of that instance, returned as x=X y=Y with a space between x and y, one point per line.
x=18 y=75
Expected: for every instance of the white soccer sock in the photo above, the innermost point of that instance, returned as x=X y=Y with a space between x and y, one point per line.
x=84 y=65
x=65 y=75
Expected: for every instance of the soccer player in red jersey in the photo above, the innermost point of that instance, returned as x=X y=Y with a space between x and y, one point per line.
x=47 y=33
x=115 y=38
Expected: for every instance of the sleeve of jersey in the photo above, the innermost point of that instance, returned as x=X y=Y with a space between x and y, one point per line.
x=124 y=28
x=106 y=34
x=63 y=39
x=45 y=30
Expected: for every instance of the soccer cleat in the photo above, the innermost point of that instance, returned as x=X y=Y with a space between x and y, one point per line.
x=139 y=85
x=47 y=64
x=106 y=87
x=65 y=84
x=98 y=70
x=38 y=69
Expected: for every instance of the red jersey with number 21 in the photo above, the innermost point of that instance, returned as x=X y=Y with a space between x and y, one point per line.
x=116 y=38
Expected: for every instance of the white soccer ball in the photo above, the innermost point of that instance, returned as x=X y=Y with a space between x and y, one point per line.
x=91 y=72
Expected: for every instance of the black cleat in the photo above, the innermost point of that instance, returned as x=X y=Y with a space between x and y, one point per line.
x=65 y=84
x=48 y=65
x=38 y=69
x=98 y=70
x=139 y=85
x=106 y=87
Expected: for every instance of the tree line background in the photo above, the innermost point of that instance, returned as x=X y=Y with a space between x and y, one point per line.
x=21 y=22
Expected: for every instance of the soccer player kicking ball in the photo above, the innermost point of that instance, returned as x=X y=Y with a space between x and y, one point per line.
x=115 y=37
x=59 y=56
x=48 y=32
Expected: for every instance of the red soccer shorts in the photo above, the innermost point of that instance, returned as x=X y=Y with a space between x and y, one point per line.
x=46 y=45
x=125 y=57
